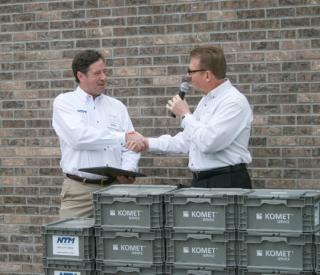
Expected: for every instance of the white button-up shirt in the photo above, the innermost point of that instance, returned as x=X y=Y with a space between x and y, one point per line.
x=92 y=132
x=216 y=134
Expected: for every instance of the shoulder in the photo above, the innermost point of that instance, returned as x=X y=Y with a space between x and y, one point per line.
x=69 y=98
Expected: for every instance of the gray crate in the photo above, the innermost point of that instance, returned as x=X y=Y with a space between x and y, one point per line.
x=282 y=252
x=256 y=271
x=191 y=209
x=280 y=210
x=131 y=206
x=69 y=267
x=69 y=239
x=198 y=270
x=207 y=249
x=317 y=251
x=121 y=245
x=128 y=269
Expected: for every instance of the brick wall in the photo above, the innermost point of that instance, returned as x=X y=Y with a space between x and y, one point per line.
x=272 y=48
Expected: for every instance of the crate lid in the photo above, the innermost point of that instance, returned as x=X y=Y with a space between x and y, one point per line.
x=209 y=192
x=277 y=193
x=135 y=190
x=75 y=223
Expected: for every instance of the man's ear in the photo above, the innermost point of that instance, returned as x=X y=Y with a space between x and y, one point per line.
x=80 y=75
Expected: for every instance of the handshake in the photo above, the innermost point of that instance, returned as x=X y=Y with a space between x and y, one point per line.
x=136 y=142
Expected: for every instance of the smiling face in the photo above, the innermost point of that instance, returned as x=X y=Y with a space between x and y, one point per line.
x=94 y=81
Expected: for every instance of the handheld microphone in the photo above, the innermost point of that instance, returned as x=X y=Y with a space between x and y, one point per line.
x=185 y=87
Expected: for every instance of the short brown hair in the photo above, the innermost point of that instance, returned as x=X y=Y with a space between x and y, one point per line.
x=212 y=59
x=83 y=60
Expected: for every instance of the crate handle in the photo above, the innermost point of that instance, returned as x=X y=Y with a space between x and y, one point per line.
x=124 y=199
x=199 y=236
x=198 y=272
x=127 y=234
x=127 y=269
x=199 y=200
x=274 y=239
x=274 y=202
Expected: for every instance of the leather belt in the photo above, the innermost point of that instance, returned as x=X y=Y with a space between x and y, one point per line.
x=218 y=171
x=104 y=181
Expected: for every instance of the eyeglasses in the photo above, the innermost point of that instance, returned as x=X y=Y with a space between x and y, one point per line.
x=194 y=71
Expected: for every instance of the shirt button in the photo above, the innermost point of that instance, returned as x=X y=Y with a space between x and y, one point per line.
x=105 y=149
x=97 y=121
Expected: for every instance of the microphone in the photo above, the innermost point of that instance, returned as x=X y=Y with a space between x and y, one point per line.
x=185 y=87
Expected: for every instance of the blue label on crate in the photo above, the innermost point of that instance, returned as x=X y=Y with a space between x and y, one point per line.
x=66 y=273
x=65 y=245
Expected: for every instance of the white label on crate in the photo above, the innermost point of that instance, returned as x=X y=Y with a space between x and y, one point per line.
x=65 y=245
x=259 y=216
x=316 y=213
x=185 y=214
x=115 y=247
x=66 y=273
x=185 y=250
x=259 y=253
x=112 y=212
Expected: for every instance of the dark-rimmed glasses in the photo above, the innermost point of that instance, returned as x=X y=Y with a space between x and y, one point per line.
x=194 y=71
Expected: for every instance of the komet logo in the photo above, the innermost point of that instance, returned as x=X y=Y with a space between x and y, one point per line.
x=277 y=217
x=205 y=251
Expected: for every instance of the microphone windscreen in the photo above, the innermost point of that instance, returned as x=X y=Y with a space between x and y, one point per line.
x=185 y=87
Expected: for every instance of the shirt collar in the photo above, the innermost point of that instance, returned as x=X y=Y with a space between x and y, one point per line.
x=84 y=95
x=216 y=92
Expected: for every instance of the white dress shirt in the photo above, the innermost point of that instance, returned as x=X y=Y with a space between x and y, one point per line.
x=216 y=134
x=92 y=132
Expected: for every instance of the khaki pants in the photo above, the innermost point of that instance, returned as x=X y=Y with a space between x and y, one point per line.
x=76 y=199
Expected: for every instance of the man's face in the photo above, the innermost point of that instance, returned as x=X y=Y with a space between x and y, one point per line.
x=196 y=75
x=94 y=81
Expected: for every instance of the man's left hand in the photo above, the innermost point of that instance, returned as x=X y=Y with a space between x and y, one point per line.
x=178 y=106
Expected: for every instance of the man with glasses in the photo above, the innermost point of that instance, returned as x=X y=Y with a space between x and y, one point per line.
x=216 y=134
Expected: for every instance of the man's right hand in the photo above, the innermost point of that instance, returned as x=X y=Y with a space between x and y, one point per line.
x=136 y=142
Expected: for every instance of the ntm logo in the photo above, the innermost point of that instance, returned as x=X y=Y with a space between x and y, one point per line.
x=67 y=240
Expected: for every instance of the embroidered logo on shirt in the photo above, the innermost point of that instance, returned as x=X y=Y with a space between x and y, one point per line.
x=82 y=111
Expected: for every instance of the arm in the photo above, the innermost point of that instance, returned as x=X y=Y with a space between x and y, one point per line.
x=221 y=130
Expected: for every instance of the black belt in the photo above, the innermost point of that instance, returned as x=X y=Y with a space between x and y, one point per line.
x=218 y=171
x=104 y=181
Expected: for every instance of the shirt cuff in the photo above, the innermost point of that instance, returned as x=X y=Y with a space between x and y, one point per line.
x=121 y=136
x=153 y=144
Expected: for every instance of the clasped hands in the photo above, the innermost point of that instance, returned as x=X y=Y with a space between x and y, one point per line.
x=138 y=143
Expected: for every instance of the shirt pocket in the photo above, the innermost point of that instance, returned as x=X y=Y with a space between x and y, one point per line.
x=114 y=123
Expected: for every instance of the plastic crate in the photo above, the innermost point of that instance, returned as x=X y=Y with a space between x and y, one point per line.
x=317 y=251
x=69 y=239
x=207 y=249
x=267 y=272
x=131 y=206
x=121 y=245
x=198 y=270
x=202 y=208
x=69 y=267
x=128 y=269
x=279 y=210
x=276 y=252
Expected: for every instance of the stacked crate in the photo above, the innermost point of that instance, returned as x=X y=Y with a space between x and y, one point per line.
x=129 y=222
x=201 y=231
x=276 y=230
x=69 y=247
